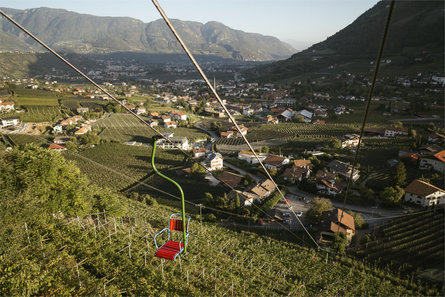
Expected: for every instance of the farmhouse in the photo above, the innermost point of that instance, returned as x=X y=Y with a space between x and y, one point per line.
x=57 y=129
x=336 y=221
x=423 y=193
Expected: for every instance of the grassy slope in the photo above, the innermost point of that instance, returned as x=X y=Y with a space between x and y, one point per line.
x=218 y=262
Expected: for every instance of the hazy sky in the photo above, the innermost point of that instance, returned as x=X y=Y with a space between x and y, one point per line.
x=293 y=21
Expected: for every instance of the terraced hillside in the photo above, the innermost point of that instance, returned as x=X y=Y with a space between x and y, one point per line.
x=412 y=243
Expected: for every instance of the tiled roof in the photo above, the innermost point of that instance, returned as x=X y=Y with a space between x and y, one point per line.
x=273 y=160
x=231 y=179
x=421 y=188
x=302 y=163
x=440 y=156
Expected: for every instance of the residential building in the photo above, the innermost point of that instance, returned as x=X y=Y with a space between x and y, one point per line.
x=249 y=157
x=435 y=162
x=82 y=110
x=214 y=161
x=7 y=106
x=326 y=183
x=57 y=147
x=71 y=121
x=7 y=122
x=57 y=129
x=350 y=140
x=275 y=162
x=423 y=193
x=299 y=170
x=61 y=139
x=231 y=179
x=84 y=130
x=343 y=169
x=336 y=220
x=393 y=131
x=170 y=124
x=199 y=152
x=181 y=142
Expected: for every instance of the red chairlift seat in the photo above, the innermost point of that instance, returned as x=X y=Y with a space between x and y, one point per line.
x=171 y=249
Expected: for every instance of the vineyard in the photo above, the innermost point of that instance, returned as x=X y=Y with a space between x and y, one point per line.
x=39 y=113
x=125 y=127
x=99 y=254
x=117 y=166
x=410 y=243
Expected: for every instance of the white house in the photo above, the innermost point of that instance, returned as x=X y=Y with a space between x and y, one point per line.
x=275 y=162
x=181 y=142
x=57 y=129
x=350 y=140
x=393 y=132
x=423 y=193
x=343 y=169
x=250 y=158
x=435 y=162
x=7 y=106
x=214 y=161
x=6 y=122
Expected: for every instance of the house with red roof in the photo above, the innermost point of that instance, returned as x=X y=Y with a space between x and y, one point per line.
x=336 y=220
x=435 y=162
x=423 y=193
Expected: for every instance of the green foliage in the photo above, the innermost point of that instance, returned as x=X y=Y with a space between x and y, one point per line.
x=399 y=174
x=197 y=169
x=319 y=205
x=89 y=138
x=392 y=195
x=272 y=201
x=336 y=143
x=359 y=222
x=340 y=242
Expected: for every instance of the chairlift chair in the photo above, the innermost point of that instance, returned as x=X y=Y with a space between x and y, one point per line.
x=171 y=249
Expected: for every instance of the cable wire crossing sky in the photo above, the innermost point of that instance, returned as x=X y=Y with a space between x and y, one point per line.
x=298 y=22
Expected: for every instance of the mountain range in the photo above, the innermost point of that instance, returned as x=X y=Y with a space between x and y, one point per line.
x=415 y=43
x=80 y=33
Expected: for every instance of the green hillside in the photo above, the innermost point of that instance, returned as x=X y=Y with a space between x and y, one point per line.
x=61 y=235
x=415 y=44
x=81 y=33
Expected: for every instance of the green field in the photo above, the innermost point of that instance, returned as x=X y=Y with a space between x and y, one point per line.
x=46 y=101
x=125 y=127
x=39 y=113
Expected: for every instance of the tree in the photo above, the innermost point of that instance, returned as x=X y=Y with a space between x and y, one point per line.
x=249 y=179
x=197 y=169
x=336 y=143
x=392 y=195
x=359 y=222
x=398 y=124
x=266 y=149
x=340 y=242
x=89 y=138
x=399 y=174
x=237 y=201
x=319 y=205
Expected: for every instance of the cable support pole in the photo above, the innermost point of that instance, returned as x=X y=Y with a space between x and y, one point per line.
x=232 y=119
x=368 y=104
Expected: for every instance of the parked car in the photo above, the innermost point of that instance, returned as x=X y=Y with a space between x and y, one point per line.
x=299 y=214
